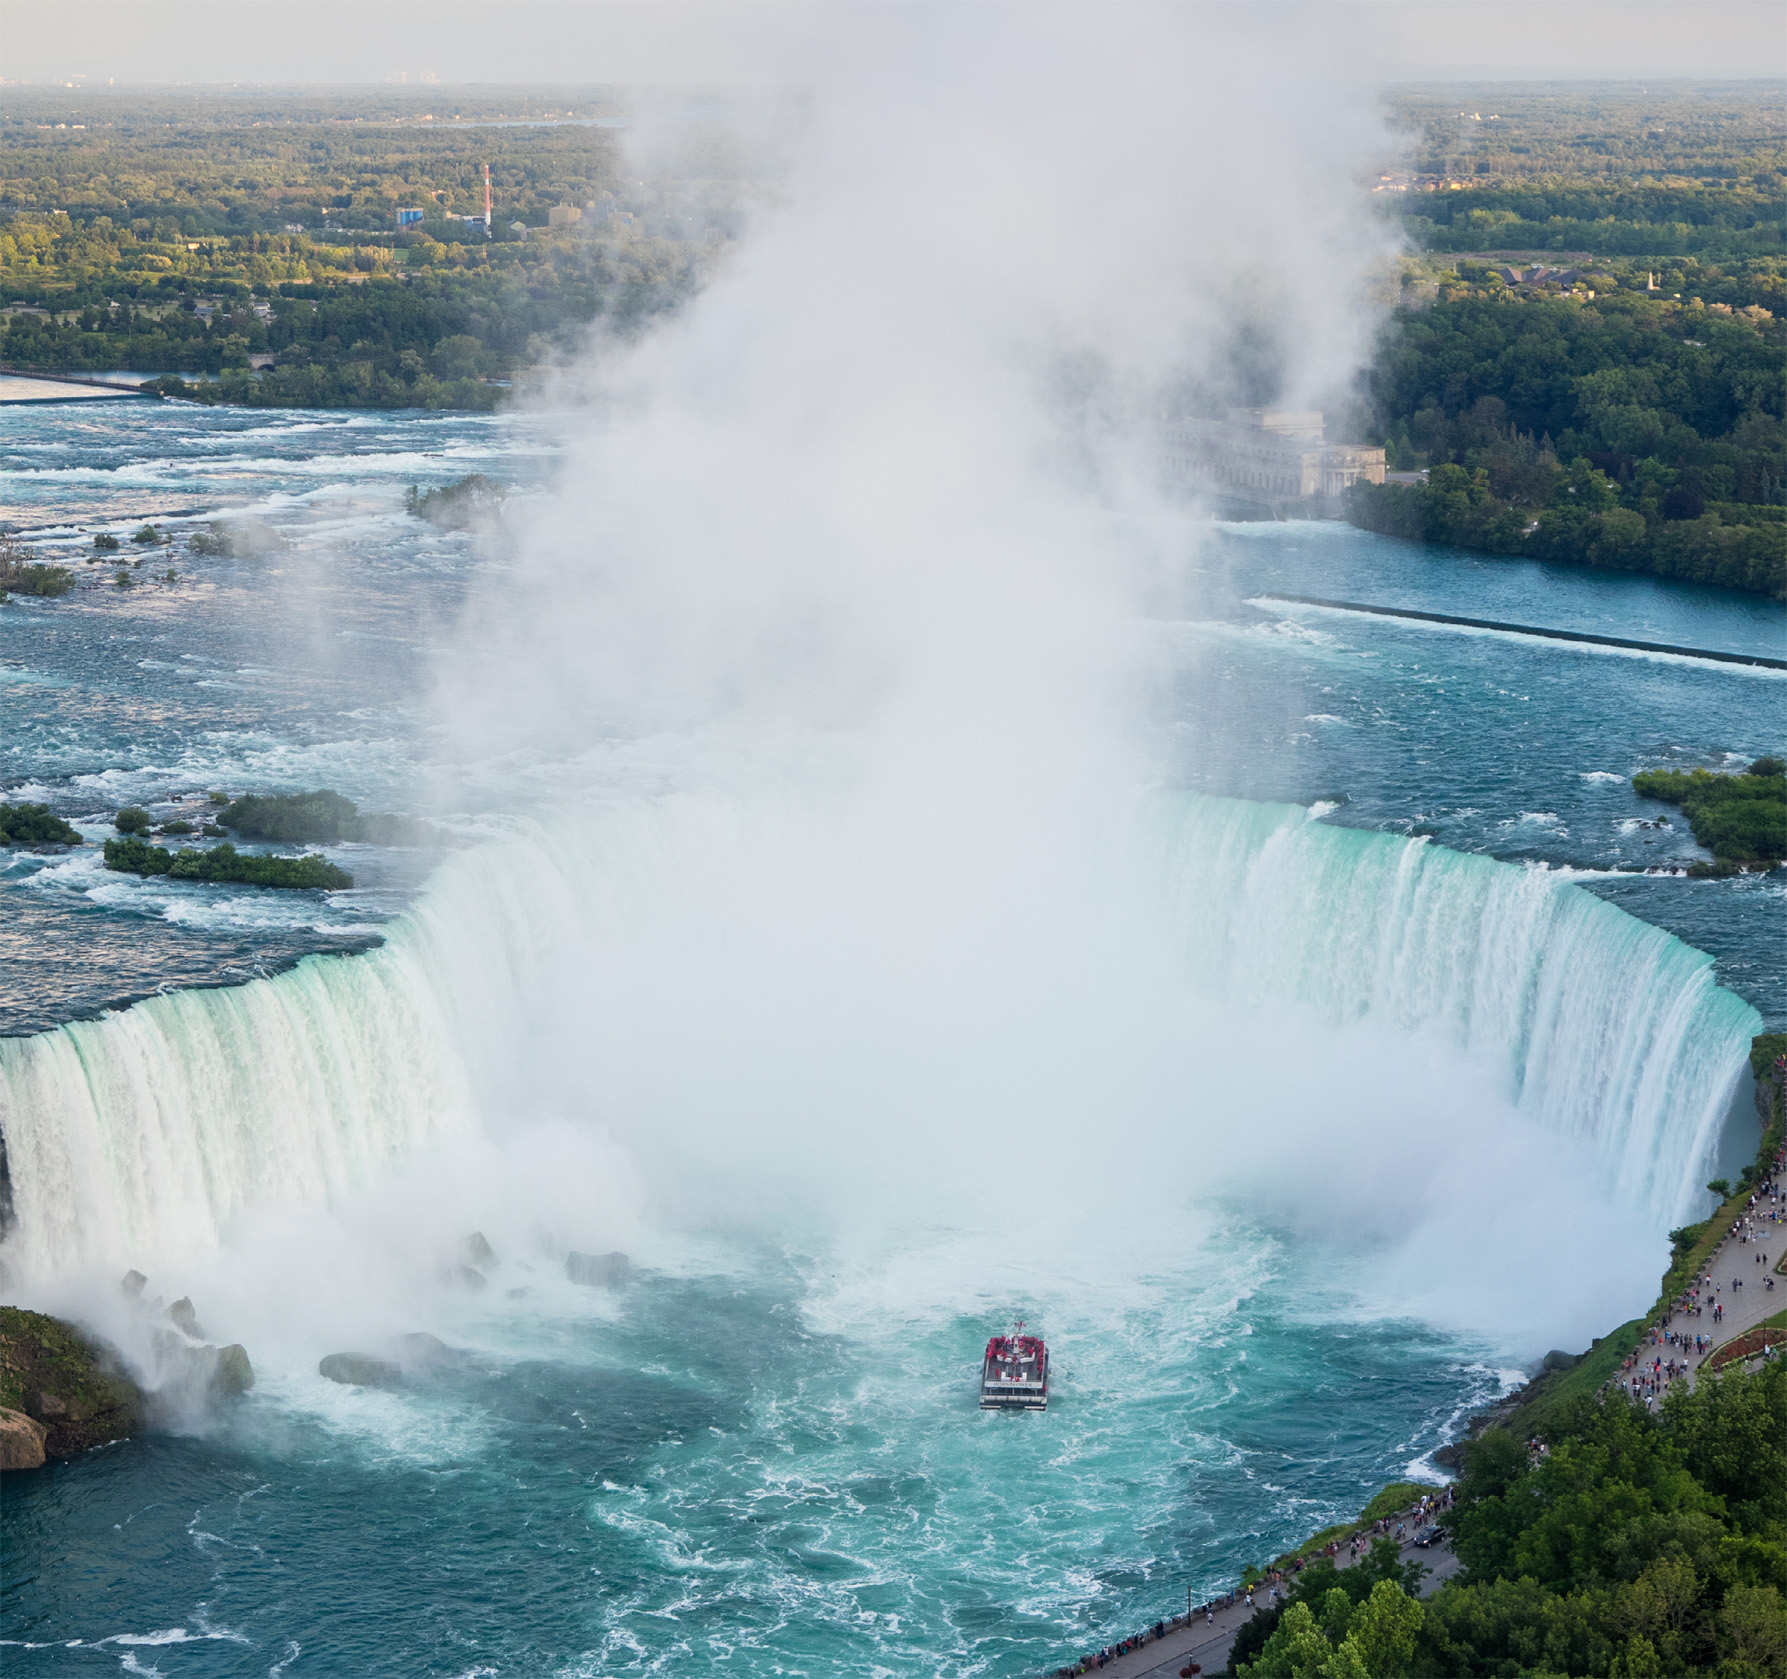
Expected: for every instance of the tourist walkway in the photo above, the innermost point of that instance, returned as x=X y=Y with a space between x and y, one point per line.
x=1753 y=1258
x=1207 y=1643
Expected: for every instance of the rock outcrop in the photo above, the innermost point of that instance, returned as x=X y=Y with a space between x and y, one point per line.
x=72 y=1387
x=599 y=1270
x=21 y=1441
x=361 y=1370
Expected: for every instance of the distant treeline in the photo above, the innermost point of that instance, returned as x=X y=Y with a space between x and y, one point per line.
x=427 y=342
x=1652 y=220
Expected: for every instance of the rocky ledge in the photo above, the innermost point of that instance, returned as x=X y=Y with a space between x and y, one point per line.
x=60 y=1392
x=64 y=1391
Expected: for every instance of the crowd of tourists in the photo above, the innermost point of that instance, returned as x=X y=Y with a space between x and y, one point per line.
x=1665 y=1353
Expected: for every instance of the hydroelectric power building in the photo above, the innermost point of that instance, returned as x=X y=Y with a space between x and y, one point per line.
x=1270 y=458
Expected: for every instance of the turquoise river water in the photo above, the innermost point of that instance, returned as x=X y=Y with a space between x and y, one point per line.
x=1401 y=1012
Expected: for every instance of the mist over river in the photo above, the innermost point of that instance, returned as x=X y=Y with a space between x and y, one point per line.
x=1347 y=1045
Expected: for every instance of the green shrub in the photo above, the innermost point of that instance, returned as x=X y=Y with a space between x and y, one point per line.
x=146 y=535
x=34 y=825
x=457 y=506
x=319 y=818
x=213 y=539
x=132 y=819
x=106 y=543
x=22 y=574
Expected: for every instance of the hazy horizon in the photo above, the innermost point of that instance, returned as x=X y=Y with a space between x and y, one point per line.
x=327 y=43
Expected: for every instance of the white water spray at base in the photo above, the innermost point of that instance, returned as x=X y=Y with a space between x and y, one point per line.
x=158 y=1128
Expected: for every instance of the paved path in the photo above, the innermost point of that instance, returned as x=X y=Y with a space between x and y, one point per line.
x=1208 y=1643
x=1735 y=1261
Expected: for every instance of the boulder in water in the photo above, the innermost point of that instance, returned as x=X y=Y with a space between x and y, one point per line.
x=360 y=1370
x=463 y=1276
x=232 y=1374
x=184 y=1318
x=21 y=1441
x=599 y=1270
x=133 y=1284
x=422 y=1354
x=476 y=1252
x=74 y=1387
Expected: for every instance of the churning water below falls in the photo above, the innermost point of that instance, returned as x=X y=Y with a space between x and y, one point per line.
x=1351 y=1075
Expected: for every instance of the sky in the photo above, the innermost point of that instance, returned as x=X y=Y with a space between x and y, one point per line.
x=745 y=41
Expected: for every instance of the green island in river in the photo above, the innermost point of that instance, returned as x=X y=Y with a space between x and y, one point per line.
x=224 y=863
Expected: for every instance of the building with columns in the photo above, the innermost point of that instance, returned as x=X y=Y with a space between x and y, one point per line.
x=1272 y=457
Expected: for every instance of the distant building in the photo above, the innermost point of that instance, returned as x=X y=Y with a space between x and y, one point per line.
x=408 y=218
x=1266 y=456
x=1539 y=274
x=563 y=215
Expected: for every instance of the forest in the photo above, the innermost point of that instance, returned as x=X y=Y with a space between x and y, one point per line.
x=1629 y=1544
x=1625 y=432
x=1625 y=409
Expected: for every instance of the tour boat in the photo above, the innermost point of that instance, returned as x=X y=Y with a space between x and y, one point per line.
x=1015 y=1376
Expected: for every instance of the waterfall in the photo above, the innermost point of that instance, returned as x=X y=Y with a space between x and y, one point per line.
x=1599 y=1025
x=165 y=1121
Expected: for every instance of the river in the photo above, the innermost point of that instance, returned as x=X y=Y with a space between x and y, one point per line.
x=1287 y=1175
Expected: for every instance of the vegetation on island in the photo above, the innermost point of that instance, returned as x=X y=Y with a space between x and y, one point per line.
x=1624 y=433
x=1740 y=819
x=224 y=863
x=457 y=506
x=28 y=824
x=319 y=818
x=21 y=573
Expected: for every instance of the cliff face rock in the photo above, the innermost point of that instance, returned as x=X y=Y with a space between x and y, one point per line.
x=21 y=1441
x=72 y=1388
